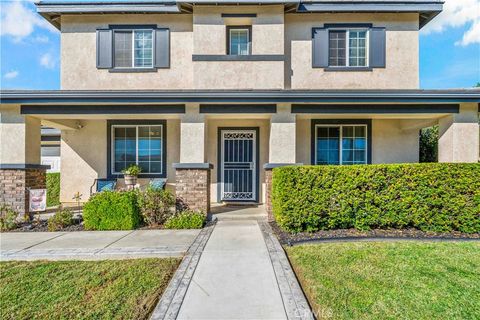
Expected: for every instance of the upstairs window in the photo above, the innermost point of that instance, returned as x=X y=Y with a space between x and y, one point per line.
x=239 y=41
x=133 y=49
x=348 y=48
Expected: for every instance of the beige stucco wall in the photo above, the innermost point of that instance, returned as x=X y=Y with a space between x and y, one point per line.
x=459 y=135
x=84 y=157
x=390 y=143
x=212 y=142
x=78 y=53
x=210 y=38
x=19 y=137
x=273 y=32
x=402 y=67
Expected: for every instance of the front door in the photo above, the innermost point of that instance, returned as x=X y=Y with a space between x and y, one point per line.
x=238 y=164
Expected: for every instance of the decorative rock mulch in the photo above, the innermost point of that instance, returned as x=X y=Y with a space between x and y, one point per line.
x=286 y=238
x=41 y=226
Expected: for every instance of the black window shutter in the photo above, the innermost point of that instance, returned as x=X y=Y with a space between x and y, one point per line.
x=104 y=49
x=377 y=47
x=320 y=48
x=162 y=48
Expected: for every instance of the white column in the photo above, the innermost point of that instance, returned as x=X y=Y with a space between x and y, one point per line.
x=459 y=135
x=192 y=136
x=19 y=137
x=282 y=136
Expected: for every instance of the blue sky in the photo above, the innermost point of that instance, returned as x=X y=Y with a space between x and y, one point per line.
x=30 y=47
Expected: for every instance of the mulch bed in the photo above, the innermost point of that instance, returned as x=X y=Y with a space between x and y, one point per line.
x=286 y=238
x=41 y=226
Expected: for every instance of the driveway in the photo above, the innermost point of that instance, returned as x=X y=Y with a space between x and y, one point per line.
x=93 y=245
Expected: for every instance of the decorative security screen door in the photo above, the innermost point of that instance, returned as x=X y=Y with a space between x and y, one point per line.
x=238 y=165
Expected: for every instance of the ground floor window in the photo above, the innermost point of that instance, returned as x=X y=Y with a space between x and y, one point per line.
x=142 y=145
x=341 y=144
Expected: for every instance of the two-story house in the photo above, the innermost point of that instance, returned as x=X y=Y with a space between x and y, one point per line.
x=214 y=94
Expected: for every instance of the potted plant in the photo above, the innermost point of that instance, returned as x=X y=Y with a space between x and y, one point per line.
x=130 y=174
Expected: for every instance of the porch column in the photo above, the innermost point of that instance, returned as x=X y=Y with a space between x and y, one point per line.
x=459 y=135
x=20 y=168
x=192 y=173
x=282 y=148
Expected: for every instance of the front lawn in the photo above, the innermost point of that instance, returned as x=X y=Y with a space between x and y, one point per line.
x=390 y=280
x=112 y=289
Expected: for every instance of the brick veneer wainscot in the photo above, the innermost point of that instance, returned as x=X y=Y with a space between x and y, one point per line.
x=14 y=184
x=193 y=188
x=268 y=194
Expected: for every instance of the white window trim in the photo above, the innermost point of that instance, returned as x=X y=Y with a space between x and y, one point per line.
x=347 y=47
x=132 y=66
x=340 y=149
x=248 y=39
x=112 y=146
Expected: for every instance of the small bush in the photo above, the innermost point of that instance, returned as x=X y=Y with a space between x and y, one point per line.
x=186 y=220
x=60 y=220
x=112 y=210
x=155 y=205
x=8 y=218
x=438 y=197
x=53 y=189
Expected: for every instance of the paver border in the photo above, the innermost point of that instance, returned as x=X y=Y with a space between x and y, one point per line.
x=169 y=304
x=294 y=301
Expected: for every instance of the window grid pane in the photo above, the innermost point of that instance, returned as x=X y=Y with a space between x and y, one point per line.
x=357 y=48
x=328 y=145
x=123 y=49
x=337 y=48
x=239 y=42
x=141 y=145
x=143 y=49
x=353 y=146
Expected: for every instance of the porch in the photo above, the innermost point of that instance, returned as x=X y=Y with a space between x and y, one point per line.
x=222 y=147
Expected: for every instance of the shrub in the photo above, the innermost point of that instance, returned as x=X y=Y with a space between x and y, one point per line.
x=155 y=205
x=112 y=210
x=53 y=189
x=429 y=144
x=60 y=220
x=8 y=218
x=431 y=197
x=186 y=220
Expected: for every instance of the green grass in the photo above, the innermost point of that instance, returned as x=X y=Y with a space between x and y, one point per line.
x=126 y=289
x=393 y=280
x=53 y=189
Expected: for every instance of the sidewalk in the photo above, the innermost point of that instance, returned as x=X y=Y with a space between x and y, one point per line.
x=92 y=245
x=240 y=276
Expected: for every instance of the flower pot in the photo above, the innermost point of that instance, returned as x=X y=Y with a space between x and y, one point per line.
x=130 y=181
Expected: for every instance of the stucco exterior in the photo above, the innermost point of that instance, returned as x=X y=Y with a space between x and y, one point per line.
x=19 y=137
x=84 y=157
x=273 y=33
x=78 y=54
x=402 y=50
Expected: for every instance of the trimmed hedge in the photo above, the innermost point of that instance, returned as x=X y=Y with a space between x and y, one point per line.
x=112 y=210
x=186 y=220
x=53 y=189
x=431 y=197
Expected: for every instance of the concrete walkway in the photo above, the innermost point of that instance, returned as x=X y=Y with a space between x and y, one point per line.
x=92 y=245
x=235 y=278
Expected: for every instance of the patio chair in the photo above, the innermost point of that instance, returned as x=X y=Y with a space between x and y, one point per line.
x=158 y=183
x=103 y=185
